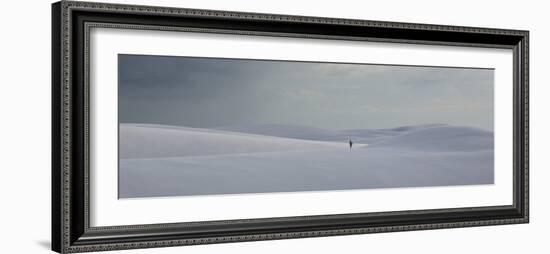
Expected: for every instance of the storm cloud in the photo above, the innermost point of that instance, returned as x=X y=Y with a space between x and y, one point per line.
x=214 y=92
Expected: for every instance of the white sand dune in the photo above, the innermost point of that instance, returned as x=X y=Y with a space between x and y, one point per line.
x=153 y=141
x=441 y=138
x=412 y=156
x=309 y=133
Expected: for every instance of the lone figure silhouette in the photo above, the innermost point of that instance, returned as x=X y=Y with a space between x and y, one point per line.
x=350 y=144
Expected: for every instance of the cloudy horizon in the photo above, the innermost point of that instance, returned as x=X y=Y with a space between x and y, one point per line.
x=215 y=92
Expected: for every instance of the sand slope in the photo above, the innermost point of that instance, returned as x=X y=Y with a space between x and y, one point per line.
x=186 y=161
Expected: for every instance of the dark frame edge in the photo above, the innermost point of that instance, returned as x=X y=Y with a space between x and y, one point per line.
x=523 y=123
x=56 y=168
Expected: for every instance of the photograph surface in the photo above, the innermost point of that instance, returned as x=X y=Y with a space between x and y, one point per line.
x=217 y=126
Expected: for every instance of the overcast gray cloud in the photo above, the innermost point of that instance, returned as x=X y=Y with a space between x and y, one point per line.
x=209 y=92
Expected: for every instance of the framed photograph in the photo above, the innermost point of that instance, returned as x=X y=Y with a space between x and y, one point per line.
x=182 y=126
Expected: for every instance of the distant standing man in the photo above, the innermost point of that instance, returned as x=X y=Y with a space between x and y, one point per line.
x=350 y=144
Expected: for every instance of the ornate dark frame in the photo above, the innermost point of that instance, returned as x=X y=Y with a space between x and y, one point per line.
x=71 y=22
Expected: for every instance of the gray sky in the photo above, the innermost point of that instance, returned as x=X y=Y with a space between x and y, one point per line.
x=210 y=92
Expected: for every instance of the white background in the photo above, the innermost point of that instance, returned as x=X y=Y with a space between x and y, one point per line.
x=25 y=133
x=107 y=210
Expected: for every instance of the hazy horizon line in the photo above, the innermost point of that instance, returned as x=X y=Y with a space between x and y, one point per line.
x=306 y=126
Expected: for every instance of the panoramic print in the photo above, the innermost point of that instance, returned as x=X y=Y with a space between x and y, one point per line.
x=215 y=126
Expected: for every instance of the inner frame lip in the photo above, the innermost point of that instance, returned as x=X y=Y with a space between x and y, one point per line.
x=208 y=226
